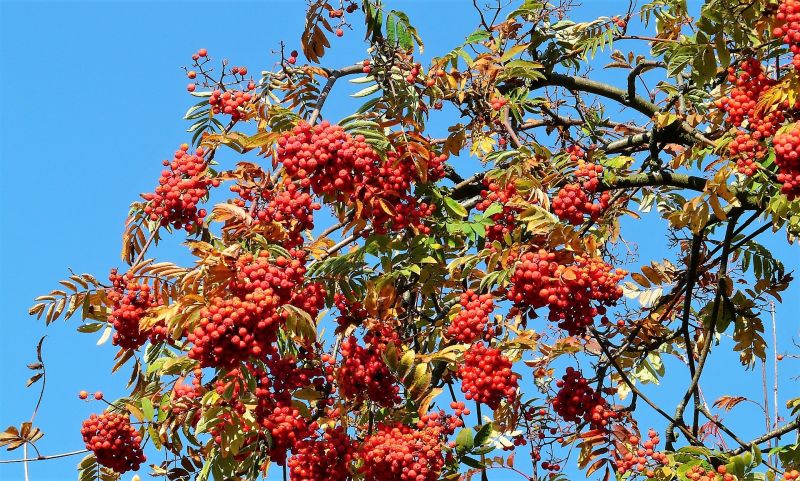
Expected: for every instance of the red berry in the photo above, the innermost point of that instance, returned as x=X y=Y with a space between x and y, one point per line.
x=98 y=395
x=202 y=52
x=83 y=395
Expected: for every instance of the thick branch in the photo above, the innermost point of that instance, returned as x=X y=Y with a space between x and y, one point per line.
x=333 y=76
x=792 y=426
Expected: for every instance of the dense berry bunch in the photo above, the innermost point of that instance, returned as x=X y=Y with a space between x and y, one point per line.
x=351 y=313
x=506 y=220
x=639 y=455
x=326 y=158
x=288 y=205
x=470 y=323
x=787 y=157
x=575 y=152
x=575 y=289
x=573 y=203
x=363 y=374
x=180 y=189
x=233 y=330
x=589 y=174
x=749 y=83
x=325 y=459
x=130 y=301
x=343 y=168
x=791 y=475
x=231 y=102
x=577 y=401
x=486 y=376
x=401 y=453
x=114 y=442
x=787 y=27
x=286 y=427
x=755 y=126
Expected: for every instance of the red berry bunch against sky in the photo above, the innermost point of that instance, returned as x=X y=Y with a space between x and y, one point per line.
x=640 y=456
x=180 y=189
x=573 y=204
x=130 y=302
x=230 y=102
x=486 y=376
x=470 y=323
x=787 y=157
x=577 y=401
x=115 y=443
x=787 y=27
x=325 y=459
x=402 y=453
x=363 y=374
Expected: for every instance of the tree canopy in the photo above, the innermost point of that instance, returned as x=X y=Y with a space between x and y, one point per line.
x=374 y=299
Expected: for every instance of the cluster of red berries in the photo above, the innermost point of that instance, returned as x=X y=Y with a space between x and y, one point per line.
x=286 y=427
x=787 y=158
x=498 y=103
x=402 y=453
x=363 y=374
x=179 y=190
x=130 y=302
x=470 y=323
x=506 y=220
x=114 y=442
x=699 y=473
x=343 y=168
x=325 y=459
x=351 y=313
x=326 y=158
x=589 y=174
x=231 y=102
x=288 y=205
x=577 y=401
x=740 y=104
x=638 y=456
x=292 y=57
x=367 y=66
x=576 y=289
x=787 y=27
x=486 y=376
x=791 y=475
x=231 y=330
x=573 y=203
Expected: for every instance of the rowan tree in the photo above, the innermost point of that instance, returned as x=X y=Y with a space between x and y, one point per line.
x=450 y=323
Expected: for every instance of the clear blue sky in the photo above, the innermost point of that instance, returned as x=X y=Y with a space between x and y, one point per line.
x=91 y=101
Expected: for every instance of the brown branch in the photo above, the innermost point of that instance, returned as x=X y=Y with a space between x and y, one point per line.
x=333 y=76
x=43 y=458
x=792 y=426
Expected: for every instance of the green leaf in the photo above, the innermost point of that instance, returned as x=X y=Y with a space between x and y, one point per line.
x=454 y=208
x=465 y=441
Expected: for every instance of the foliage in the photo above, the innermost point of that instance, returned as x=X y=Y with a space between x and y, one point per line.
x=280 y=347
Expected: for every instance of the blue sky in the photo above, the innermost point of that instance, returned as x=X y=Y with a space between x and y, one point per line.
x=92 y=100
